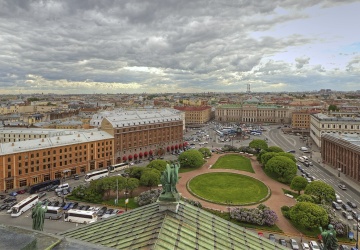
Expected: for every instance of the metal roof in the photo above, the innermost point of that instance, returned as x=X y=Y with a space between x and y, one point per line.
x=149 y=228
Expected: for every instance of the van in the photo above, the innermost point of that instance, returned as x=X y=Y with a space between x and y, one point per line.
x=305 y=158
x=303 y=148
x=62 y=187
x=301 y=159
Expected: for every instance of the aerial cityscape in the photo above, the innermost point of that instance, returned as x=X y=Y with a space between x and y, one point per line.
x=179 y=125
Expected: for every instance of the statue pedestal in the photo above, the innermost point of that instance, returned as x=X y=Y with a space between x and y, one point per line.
x=169 y=201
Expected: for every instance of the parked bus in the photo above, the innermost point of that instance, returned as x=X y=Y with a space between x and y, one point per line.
x=97 y=175
x=219 y=133
x=43 y=185
x=53 y=213
x=80 y=216
x=118 y=167
x=24 y=205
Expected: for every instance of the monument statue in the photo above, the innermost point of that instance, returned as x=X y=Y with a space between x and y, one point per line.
x=169 y=179
x=329 y=238
x=38 y=216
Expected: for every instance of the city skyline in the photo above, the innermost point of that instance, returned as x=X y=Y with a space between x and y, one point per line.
x=86 y=47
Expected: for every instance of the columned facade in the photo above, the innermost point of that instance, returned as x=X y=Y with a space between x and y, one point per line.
x=342 y=153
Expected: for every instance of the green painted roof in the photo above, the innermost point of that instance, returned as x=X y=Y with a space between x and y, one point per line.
x=229 y=106
x=148 y=228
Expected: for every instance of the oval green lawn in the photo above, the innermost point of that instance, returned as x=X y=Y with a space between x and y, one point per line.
x=224 y=187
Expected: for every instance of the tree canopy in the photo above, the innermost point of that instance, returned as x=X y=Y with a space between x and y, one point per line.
x=333 y=107
x=265 y=157
x=150 y=178
x=275 y=149
x=191 y=159
x=157 y=164
x=258 y=144
x=205 y=152
x=282 y=168
x=298 y=183
x=321 y=191
x=309 y=215
x=305 y=198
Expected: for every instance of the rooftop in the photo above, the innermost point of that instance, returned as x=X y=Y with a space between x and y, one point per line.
x=148 y=227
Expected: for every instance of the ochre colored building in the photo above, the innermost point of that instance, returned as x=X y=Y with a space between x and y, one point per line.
x=195 y=114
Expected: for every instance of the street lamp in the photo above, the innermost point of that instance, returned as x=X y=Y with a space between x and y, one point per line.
x=126 y=193
x=339 y=170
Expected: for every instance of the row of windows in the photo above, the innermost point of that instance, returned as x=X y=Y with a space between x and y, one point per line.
x=339 y=126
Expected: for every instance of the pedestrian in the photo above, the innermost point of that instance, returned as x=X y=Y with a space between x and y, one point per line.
x=301 y=238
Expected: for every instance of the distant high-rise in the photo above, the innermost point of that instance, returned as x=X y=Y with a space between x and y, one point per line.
x=248 y=88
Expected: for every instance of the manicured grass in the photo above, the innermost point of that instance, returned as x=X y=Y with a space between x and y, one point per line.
x=234 y=161
x=223 y=188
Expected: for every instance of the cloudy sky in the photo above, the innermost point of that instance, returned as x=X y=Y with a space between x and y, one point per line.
x=158 y=46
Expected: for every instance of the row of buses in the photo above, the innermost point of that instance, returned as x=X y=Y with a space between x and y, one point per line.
x=54 y=213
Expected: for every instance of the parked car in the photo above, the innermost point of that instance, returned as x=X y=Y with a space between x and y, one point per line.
x=351 y=204
x=81 y=207
x=10 y=199
x=13 y=194
x=346 y=215
x=61 y=204
x=41 y=194
x=344 y=247
x=291 y=151
x=313 y=245
x=76 y=177
x=2 y=196
x=294 y=245
x=272 y=237
x=282 y=242
x=56 y=203
x=347 y=208
x=101 y=211
x=21 y=191
x=342 y=186
x=3 y=206
x=335 y=205
x=65 y=192
x=85 y=208
x=73 y=205
x=67 y=205
x=305 y=246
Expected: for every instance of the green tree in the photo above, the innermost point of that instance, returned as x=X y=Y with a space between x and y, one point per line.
x=265 y=157
x=150 y=178
x=321 y=191
x=107 y=184
x=132 y=184
x=205 y=152
x=275 y=149
x=333 y=107
x=135 y=172
x=191 y=159
x=309 y=215
x=288 y=155
x=283 y=169
x=258 y=144
x=157 y=164
x=298 y=183
x=305 y=198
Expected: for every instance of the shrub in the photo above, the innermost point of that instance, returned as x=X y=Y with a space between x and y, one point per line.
x=148 y=197
x=192 y=202
x=262 y=215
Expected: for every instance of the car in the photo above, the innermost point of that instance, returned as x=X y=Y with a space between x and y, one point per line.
x=342 y=186
x=76 y=177
x=282 y=242
x=344 y=247
x=351 y=204
x=67 y=206
x=59 y=194
x=339 y=201
x=346 y=215
x=56 y=203
x=41 y=194
x=65 y=192
x=272 y=237
x=81 y=207
x=2 y=196
x=305 y=246
x=101 y=211
x=310 y=163
x=335 y=205
x=313 y=245
x=85 y=208
x=3 y=206
x=347 y=208
x=13 y=194
x=291 y=151
x=294 y=245
x=21 y=191
x=73 y=205
x=10 y=199
x=61 y=204
x=299 y=167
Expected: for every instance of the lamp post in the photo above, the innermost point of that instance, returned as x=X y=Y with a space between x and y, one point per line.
x=339 y=170
x=126 y=193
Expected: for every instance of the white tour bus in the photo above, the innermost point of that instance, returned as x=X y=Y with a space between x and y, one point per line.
x=53 y=213
x=24 y=205
x=118 y=167
x=80 y=216
x=96 y=175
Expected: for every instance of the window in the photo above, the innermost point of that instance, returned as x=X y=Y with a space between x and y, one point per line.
x=23 y=183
